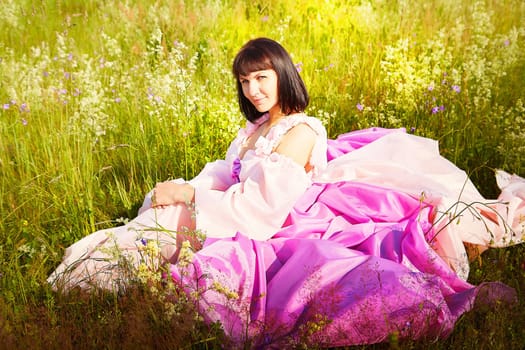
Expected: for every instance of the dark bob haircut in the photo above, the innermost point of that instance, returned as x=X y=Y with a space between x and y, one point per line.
x=261 y=54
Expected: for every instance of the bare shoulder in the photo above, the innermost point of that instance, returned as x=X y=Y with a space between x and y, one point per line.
x=298 y=143
x=301 y=130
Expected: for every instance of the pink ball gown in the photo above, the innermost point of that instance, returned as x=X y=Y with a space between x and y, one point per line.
x=368 y=243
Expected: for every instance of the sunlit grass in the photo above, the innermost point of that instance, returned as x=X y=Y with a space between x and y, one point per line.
x=100 y=100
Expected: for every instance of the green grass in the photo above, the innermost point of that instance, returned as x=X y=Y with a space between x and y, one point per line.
x=101 y=100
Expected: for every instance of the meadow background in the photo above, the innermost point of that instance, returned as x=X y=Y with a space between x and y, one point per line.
x=99 y=100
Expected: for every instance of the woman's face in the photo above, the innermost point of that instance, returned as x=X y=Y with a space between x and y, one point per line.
x=260 y=88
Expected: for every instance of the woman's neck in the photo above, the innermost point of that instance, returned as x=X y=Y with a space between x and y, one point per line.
x=274 y=115
x=274 y=119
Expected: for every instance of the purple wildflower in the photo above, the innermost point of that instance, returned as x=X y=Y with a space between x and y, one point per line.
x=435 y=109
x=412 y=130
x=23 y=121
x=150 y=93
x=117 y=99
x=430 y=87
x=331 y=65
x=359 y=106
x=265 y=18
x=67 y=75
x=23 y=108
x=144 y=241
x=299 y=67
x=6 y=106
x=456 y=88
x=70 y=56
x=506 y=42
x=45 y=73
x=441 y=108
x=76 y=92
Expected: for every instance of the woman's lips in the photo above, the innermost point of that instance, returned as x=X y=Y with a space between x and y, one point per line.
x=258 y=101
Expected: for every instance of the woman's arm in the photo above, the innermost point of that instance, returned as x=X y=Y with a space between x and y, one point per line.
x=260 y=203
x=297 y=144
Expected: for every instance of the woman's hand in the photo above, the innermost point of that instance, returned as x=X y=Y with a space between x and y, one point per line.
x=169 y=193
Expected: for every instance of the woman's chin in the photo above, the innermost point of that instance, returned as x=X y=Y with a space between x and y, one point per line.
x=261 y=109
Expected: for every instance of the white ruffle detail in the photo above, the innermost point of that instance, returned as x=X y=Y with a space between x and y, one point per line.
x=265 y=145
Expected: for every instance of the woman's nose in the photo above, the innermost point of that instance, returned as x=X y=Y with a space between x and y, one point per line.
x=253 y=88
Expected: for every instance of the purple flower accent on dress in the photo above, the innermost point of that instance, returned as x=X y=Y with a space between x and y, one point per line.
x=236 y=169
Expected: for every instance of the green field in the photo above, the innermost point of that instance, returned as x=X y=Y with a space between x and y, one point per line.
x=99 y=100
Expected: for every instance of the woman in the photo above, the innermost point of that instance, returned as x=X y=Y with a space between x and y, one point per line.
x=334 y=242
x=267 y=167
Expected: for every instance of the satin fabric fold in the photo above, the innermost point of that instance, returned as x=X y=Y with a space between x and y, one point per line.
x=338 y=273
x=361 y=256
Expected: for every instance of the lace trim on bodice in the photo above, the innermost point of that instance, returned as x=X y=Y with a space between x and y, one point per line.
x=265 y=145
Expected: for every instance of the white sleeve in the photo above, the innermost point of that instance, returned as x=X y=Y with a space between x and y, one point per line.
x=258 y=205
